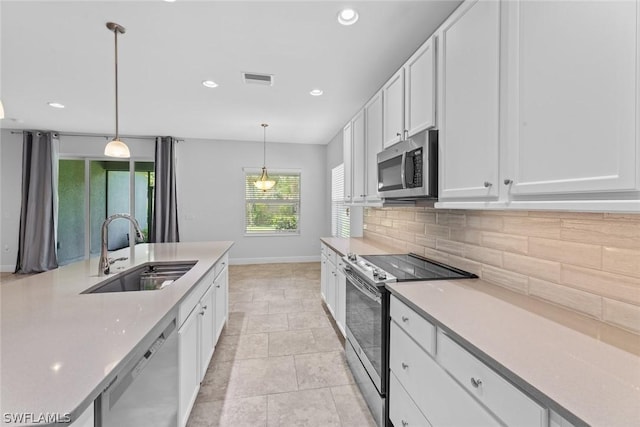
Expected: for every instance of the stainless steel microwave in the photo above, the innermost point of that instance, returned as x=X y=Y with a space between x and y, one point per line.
x=409 y=169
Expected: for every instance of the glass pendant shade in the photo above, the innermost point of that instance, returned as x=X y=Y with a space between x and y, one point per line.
x=1 y=110
x=264 y=183
x=117 y=148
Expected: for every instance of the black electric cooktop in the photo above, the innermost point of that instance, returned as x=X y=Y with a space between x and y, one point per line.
x=412 y=267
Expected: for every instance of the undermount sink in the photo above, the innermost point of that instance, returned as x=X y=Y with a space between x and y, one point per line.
x=146 y=277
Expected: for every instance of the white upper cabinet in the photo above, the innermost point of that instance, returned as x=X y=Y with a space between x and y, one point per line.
x=393 y=108
x=469 y=101
x=420 y=93
x=373 y=136
x=574 y=97
x=409 y=97
x=347 y=159
x=358 y=159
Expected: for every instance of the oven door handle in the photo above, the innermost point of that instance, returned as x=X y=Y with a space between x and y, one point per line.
x=356 y=282
x=402 y=169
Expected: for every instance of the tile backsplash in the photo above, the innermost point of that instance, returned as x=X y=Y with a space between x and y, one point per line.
x=587 y=262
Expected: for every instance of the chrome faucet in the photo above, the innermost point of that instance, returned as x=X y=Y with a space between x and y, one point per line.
x=105 y=262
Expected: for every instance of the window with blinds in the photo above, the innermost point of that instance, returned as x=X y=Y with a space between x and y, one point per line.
x=275 y=211
x=339 y=212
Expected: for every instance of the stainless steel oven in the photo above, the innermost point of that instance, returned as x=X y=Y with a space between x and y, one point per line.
x=367 y=317
x=367 y=327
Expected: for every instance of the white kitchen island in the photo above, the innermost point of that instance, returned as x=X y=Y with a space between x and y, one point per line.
x=60 y=348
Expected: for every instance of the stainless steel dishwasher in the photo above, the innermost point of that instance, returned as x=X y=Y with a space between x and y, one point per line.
x=146 y=393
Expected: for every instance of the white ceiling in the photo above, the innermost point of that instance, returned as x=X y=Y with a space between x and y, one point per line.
x=62 y=51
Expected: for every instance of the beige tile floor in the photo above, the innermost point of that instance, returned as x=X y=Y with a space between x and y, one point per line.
x=279 y=361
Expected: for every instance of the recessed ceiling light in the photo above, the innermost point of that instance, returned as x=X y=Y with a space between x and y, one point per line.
x=347 y=16
x=316 y=92
x=55 y=104
x=170 y=1
x=209 y=83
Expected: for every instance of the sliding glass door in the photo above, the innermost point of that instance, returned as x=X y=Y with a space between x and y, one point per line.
x=89 y=190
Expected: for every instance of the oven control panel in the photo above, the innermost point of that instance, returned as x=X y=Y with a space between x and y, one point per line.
x=368 y=270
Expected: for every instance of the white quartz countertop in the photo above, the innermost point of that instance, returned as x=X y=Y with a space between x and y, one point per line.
x=59 y=348
x=357 y=245
x=569 y=362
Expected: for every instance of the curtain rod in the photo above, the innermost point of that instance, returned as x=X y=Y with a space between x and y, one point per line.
x=95 y=135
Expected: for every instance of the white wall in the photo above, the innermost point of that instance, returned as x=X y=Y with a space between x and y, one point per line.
x=211 y=197
x=210 y=193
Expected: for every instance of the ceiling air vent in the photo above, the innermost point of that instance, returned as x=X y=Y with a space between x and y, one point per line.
x=258 y=79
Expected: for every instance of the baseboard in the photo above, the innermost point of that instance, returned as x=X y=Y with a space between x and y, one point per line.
x=7 y=268
x=274 y=260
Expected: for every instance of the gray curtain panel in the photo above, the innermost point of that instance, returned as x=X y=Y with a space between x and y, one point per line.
x=37 y=236
x=164 y=222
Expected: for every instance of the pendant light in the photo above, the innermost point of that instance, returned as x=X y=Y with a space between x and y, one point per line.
x=1 y=110
x=116 y=148
x=264 y=183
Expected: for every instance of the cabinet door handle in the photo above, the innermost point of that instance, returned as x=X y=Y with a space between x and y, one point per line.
x=404 y=365
x=405 y=319
x=487 y=184
x=202 y=313
x=204 y=307
x=404 y=423
x=476 y=382
x=398 y=134
x=508 y=181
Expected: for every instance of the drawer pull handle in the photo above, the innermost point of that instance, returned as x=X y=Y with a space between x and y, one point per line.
x=476 y=382
x=404 y=365
x=405 y=319
x=404 y=423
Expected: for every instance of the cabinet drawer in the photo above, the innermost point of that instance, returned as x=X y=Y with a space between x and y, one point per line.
x=438 y=396
x=323 y=249
x=403 y=411
x=198 y=290
x=221 y=264
x=418 y=328
x=331 y=255
x=510 y=404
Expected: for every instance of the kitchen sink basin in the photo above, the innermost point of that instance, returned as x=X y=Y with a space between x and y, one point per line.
x=146 y=277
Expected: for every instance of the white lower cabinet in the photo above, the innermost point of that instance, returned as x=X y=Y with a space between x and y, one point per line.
x=333 y=284
x=221 y=291
x=330 y=288
x=189 y=366
x=511 y=405
x=323 y=277
x=202 y=316
x=207 y=309
x=403 y=412
x=328 y=277
x=442 y=401
x=448 y=385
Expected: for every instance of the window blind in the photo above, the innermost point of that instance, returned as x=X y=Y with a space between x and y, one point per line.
x=339 y=211
x=275 y=211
